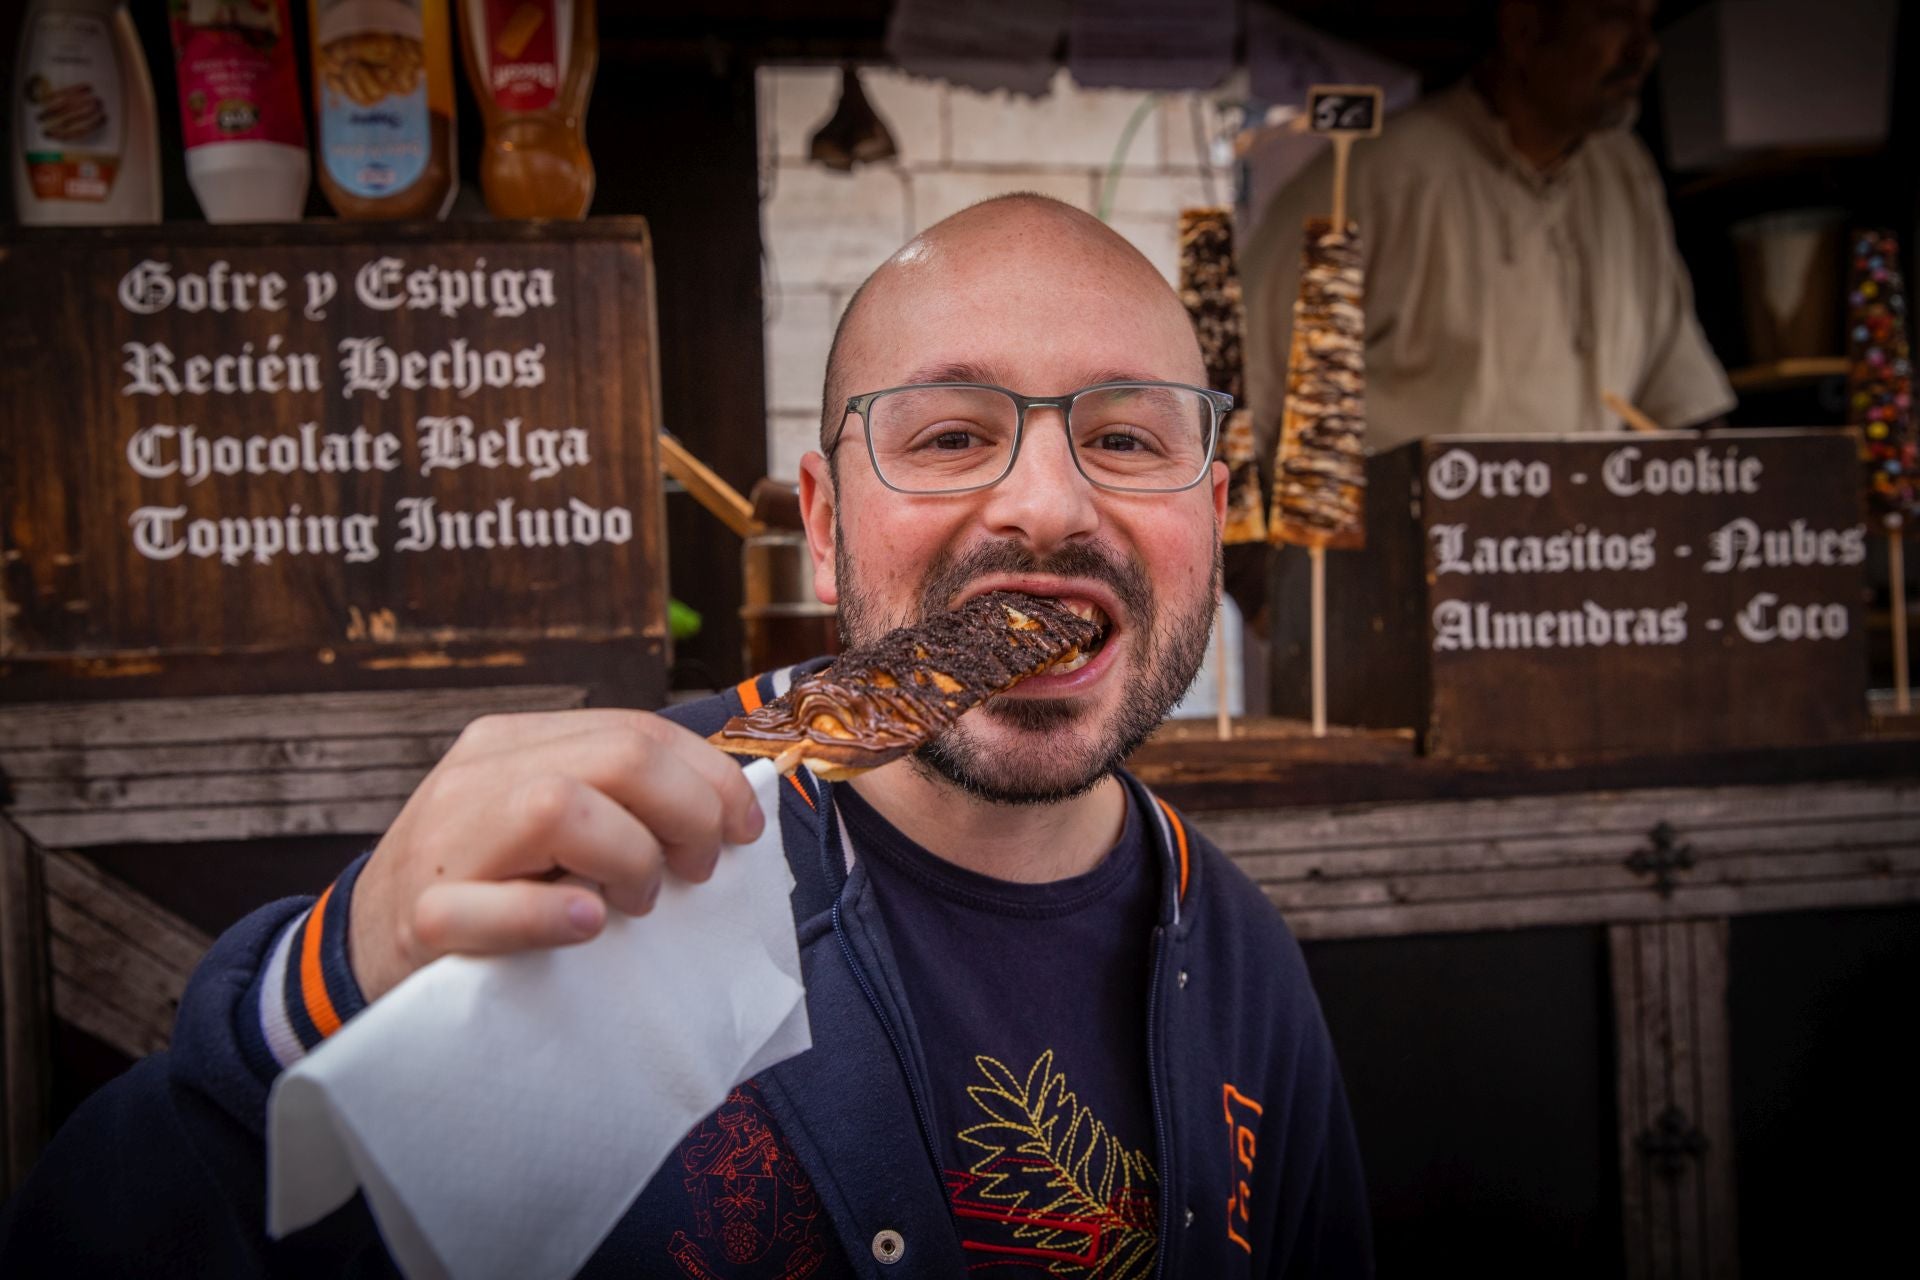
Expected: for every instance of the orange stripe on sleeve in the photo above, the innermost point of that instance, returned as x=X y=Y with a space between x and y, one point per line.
x=749 y=691
x=1180 y=838
x=795 y=780
x=313 y=986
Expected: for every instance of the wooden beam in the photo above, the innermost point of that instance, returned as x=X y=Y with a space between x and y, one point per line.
x=270 y=717
x=165 y=770
x=25 y=1067
x=1675 y=1099
x=120 y=961
x=1380 y=870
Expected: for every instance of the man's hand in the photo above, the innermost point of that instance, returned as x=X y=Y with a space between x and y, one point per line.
x=469 y=866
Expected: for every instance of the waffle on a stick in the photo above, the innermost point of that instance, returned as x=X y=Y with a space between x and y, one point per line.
x=878 y=703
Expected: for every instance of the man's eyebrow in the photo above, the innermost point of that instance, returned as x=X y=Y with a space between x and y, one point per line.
x=967 y=371
x=1099 y=376
x=953 y=371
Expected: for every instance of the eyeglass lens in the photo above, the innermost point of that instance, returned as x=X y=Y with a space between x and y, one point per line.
x=932 y=439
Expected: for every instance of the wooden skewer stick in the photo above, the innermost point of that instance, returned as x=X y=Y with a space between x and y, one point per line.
x=1628 y=414
x=1897 y=582
x=1342 y=148
x=1318 y=557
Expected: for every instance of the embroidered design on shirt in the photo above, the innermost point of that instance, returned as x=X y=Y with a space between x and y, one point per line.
x=1053 y=1190
x=750 y=1196
x=1243 y=1114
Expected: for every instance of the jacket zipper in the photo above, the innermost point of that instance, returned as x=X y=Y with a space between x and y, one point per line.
x=1153 y=1095
x=899 y=1053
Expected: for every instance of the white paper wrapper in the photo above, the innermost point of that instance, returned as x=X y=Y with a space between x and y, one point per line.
x=501 y=1114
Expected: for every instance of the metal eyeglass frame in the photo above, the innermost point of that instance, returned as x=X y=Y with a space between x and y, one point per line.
x=1218 y=401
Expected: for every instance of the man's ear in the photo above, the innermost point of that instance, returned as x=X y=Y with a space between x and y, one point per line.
x=1221 y=478
x=817 y=501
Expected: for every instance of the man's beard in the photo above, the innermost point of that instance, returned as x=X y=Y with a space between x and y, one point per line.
x=1080 y=754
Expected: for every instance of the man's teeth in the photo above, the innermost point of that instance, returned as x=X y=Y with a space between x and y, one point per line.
x=1085 y=609
x=1062 y=668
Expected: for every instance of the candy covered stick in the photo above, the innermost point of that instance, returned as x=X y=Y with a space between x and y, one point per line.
x=1210 y=288
x=1880 y=405
x=1320 y=471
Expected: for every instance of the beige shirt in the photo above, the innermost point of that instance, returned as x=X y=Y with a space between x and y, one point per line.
x=1498 y=300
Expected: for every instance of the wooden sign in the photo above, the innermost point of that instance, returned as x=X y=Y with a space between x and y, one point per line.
x=1603 y=594
x=329 y=455
x=1352 y=109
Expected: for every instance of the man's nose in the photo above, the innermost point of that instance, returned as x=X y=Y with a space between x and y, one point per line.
x=1044 y=500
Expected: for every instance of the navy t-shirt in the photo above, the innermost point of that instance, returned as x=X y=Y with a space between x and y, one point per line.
x=1030 y=1002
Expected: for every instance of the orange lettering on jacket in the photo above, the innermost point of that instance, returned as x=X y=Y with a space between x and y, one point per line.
x=1242 y=1115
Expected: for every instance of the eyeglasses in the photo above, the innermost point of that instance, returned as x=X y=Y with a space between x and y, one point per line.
x=952 y=437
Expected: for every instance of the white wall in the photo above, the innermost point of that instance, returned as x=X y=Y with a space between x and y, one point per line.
x=823 y=232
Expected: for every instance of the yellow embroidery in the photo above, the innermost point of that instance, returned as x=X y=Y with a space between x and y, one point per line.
x=1075 y=1197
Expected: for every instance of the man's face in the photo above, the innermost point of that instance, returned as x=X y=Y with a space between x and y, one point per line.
x=1044 y=314
x=1585 y=61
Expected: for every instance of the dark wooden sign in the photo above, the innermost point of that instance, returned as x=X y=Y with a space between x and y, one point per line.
x=1595 y=595
x=1344 y=108
x=329 y=455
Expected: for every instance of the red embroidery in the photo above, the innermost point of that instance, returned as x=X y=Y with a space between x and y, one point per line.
x=750 y=1196
x=1240 y=1147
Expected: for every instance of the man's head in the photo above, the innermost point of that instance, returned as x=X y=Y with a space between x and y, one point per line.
x=1030 y=294
x=1579 y=64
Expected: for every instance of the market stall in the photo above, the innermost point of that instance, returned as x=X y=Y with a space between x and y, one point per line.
x=1548 y=747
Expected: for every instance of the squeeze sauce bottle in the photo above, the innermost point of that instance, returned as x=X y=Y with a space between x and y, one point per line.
x=86 y=139
x=240 y=109
x=383 y=107
x=531 y=64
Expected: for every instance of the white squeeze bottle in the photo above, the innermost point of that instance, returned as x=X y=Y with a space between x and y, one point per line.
x=86 y=145
x=240 y=109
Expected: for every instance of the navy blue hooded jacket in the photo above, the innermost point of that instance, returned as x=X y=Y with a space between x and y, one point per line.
x=162 y=1173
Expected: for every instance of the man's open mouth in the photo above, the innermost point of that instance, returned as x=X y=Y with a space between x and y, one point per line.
x=1092 y=613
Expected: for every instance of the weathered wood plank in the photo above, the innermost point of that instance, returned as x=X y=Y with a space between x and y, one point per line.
x=195 y=791
x=120 y=960
x=1592 y=814
x=1624 y=962
x=271 y=717
x=240 y=822
x=1683 y=1092
x=77 y=885
x=1596 y=908
x=166 y=759
x=25 y=999
x=1468 y=851
x=1335 y=890
x=1713 y=1054
x=88 y=950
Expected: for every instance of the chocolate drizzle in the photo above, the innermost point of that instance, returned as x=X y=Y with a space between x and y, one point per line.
x=878 y=703
x=1320 y=475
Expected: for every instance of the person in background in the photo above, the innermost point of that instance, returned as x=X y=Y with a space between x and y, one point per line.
x=1520 y=262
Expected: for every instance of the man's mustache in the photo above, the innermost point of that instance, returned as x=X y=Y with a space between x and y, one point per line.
x=952 y=573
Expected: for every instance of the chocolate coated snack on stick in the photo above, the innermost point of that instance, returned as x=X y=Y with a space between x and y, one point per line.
x=1210 y=288
x=878 y=703
x=1320 y=473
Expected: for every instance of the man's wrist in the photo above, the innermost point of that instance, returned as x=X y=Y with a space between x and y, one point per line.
x=306 y=991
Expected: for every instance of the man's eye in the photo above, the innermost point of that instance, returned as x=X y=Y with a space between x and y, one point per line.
x=953 y=440
x=1119 y=442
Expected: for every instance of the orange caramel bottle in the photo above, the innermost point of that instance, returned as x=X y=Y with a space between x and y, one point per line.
x=531 y=65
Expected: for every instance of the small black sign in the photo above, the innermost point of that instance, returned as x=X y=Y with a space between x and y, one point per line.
x=1344 y=108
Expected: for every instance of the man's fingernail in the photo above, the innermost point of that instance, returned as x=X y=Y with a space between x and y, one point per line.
x=584 y=914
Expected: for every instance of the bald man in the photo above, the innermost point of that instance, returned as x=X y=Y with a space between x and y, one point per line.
x=1053 y=1026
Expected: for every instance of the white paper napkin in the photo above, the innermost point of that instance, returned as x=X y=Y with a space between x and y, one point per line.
x=501 y=1114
